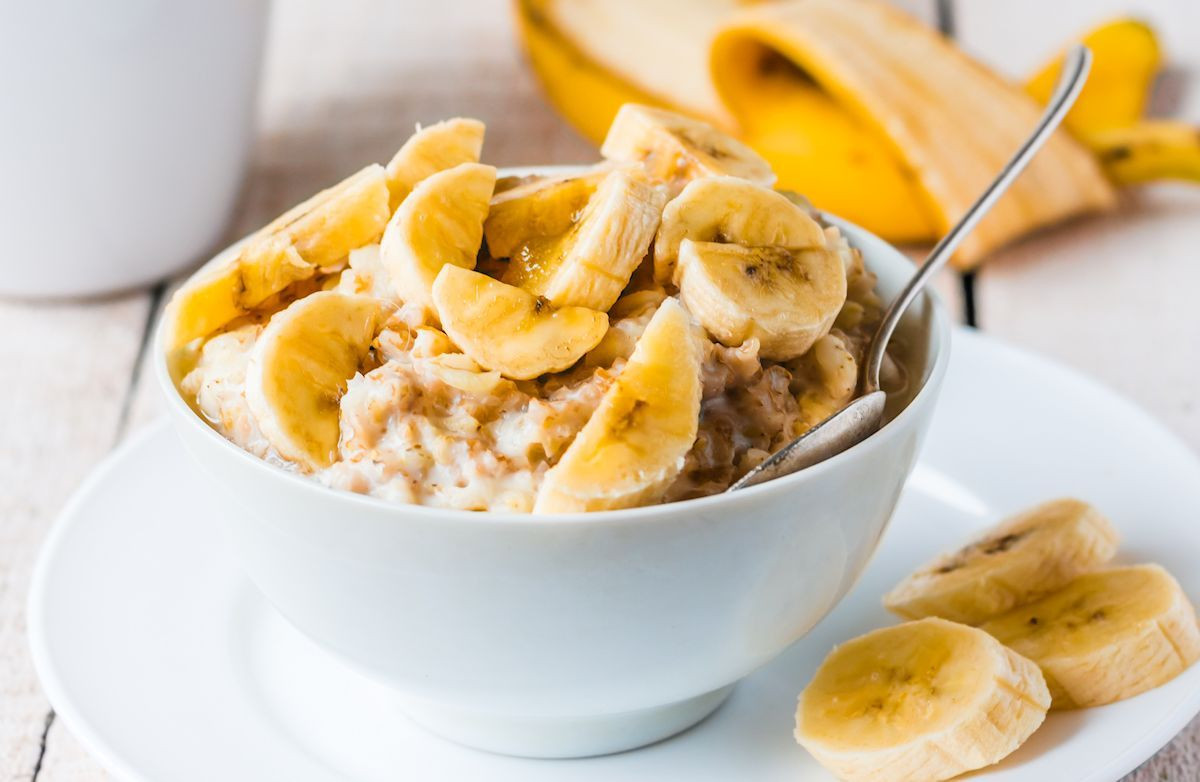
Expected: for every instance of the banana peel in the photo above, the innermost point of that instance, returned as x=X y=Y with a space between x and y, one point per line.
x=816 y=143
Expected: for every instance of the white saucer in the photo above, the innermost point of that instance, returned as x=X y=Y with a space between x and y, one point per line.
x=167 y=664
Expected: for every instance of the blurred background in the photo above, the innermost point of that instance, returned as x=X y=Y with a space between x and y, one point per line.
x=343 y=83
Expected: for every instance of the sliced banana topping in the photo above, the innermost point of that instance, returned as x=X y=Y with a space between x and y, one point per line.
x=299 y=369
x=730 y=211
x=1019 y=560
x=926 y=700
x=676 y=149
x=439 y=223
x=1106 y=635
x=785 y=298
x=435 y=148
x=510 y=330
x=539 y=212
x=590 y=264
x=634 y=444
x=316 y=234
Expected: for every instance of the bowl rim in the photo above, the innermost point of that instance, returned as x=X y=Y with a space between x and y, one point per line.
x=938 y=343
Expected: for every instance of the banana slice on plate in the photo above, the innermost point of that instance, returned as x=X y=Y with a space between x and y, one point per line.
x=435 y=148
x=318 y=233
x=634 y=444
x=730 y=211
x=439 y=223
x=299 y=368
x=1106 y=635
x=591 y=263
x=536 y=211
x=1019 y=560
x=509 y=330
x=676 y=149
x=926 y=700
x=786 y=298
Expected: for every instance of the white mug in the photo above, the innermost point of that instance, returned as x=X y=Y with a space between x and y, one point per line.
x=125 y=127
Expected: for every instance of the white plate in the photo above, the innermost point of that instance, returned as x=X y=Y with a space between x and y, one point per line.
x=167 y=664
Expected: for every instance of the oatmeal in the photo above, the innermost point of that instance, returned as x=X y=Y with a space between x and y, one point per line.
x=647 y=350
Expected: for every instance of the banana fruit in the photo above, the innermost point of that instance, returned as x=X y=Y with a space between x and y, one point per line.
x=730 y=210
x=1106 y=635
x=435 y=148
x=293 y=248
x=1150 y=151
x=509 y=330
x=676 y=149
x=786 y=298
x=735 y=64
x=536 y=213
x=633 y=445
x=299 y=368
x=926 y=700
x=439 y=223
x=590 y=263
x=1019 y=560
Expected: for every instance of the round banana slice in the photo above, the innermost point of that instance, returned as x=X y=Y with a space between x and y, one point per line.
x=633 y=446
x=730 y=211
x=509 y=330
x=299 y=369
x=925 y=700
x=591 y=263
x=1017 y=561
x=436 y=148
x=439 y=223
x=676 y=149
x=785 y=298
x=317 y=233
x=1105 y=636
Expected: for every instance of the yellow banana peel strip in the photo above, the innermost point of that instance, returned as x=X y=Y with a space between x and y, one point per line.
x=950 y=120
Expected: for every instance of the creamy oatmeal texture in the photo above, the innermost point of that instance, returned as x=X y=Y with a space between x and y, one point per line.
x=425 y=420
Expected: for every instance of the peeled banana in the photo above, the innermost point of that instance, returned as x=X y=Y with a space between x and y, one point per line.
x=509 y=330
x=299 y=368
x=591 y=262
x=439 y=223
x=1106 y=635
x=927 y=700
x=1021 y=559
x=634 y=444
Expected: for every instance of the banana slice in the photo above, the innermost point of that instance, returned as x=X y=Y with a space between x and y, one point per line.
x=634 y=445
x=590 y=264
x=435 y=148
x=925 y=700
x=1019 y=560
x=299 y=368
x=439 y=223
x=510 y=330
x=1106 y=636
x=318 y=233
x=537 y=211
x=785 y=298
x=460 y=371
x=730 y=211
x=676 y=149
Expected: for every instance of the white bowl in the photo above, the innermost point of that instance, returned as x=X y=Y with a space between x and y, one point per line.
x=570 y=635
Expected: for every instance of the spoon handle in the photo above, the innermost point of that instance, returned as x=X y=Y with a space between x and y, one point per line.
x=1070 y=82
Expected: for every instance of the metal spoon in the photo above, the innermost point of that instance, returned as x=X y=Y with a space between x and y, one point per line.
x=862 y=417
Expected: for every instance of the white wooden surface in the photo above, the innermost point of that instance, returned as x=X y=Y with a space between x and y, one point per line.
x=345 y=81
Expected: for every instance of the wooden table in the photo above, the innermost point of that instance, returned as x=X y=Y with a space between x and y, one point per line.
x=344 y=84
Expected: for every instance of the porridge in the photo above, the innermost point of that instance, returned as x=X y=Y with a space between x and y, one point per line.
x=644 y=331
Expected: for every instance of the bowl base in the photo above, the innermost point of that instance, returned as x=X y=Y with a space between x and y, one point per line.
x=565 y=737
